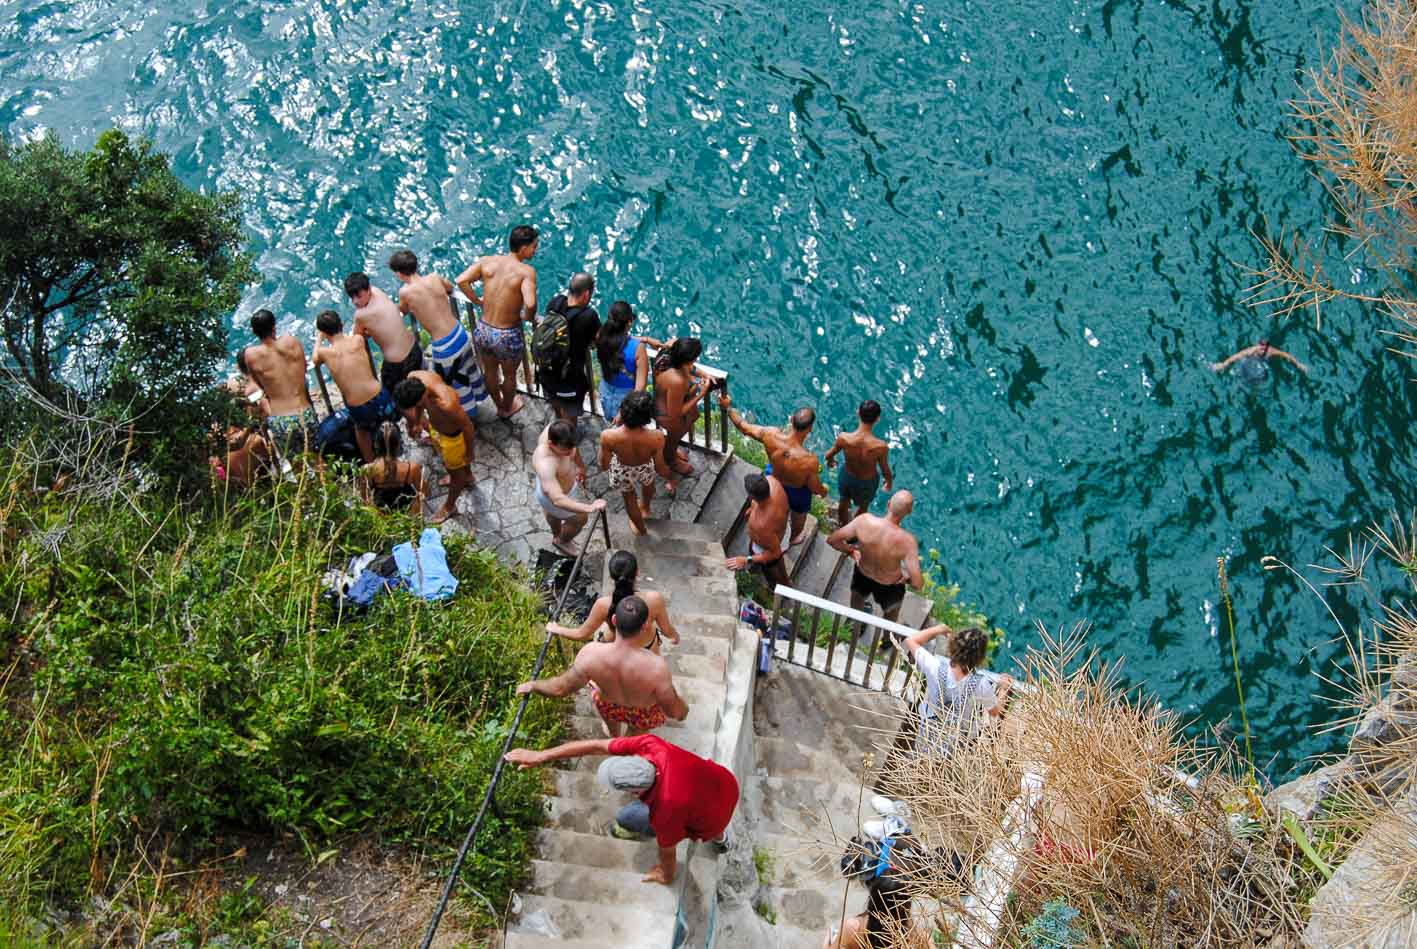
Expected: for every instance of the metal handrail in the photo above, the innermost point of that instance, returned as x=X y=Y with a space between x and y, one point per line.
x=488 y=796
x=896 y=634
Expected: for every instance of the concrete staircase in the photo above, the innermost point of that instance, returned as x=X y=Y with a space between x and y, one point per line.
x=585 y=887
x=811 y=735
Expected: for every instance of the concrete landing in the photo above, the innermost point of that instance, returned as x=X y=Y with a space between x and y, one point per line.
x=500 y=508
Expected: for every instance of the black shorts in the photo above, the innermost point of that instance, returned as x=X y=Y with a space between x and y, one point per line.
x=888 y=596
x=392 y=373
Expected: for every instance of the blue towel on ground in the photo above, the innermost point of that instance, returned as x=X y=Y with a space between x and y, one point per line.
x=425 y=569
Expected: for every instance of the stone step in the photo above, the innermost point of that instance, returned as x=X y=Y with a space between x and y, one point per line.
x=671 y=538
x=783 y=757
x=915 y=611
x=521 y=940
x=556 y=919
x=710 y=595
x=822 y=806
x=807 y=907
x=718 y=624
x=610 y=853
x=865 y=718
x=800 y=860
x=795 y=937
x=686 y=665
x=815 y=569
x=697 y=642
x=726 y=500
x=621 y=889
x=663 y=569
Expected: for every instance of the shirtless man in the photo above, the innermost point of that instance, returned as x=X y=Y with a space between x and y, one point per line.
x=634 y=456
x=1253 y=361
x=277 y=364
x=864 y=453
x=508 y=298
x=558 y=468
x=378 y=317
x=887 y=556
x=767 y=529
x=369 y=404
x=678 y=390
x=450 y=426
x=796 y=467
x=629 y=684
x=426 y=296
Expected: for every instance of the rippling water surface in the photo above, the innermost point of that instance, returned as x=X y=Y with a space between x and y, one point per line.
x=1019 y=225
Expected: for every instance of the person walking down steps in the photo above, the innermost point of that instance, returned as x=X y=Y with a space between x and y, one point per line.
x=680 y=796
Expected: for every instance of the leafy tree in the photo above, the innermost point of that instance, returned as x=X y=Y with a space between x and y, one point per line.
x=115 y=277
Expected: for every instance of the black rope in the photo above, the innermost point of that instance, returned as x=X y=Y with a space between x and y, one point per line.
x=488 y=798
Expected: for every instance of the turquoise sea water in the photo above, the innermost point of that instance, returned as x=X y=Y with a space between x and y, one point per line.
x=1019 y=225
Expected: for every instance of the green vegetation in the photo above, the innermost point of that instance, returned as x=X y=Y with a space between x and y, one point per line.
x=170 y=676
x=946 y=606
x=764 y=863
x=117 y=281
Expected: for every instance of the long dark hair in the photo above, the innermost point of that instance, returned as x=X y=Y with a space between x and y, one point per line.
x=611 y=342
x=887 y=910
x=624 y=568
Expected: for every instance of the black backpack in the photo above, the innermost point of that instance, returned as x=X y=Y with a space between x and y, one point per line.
x=551 y=340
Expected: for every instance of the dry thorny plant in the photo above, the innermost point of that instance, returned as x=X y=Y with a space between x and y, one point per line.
x=1376 y=704
x=1090 y=794
x=1356 y=125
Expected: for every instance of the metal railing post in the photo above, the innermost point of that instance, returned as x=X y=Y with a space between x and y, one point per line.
x=723 y=417
x=875 y=644
x=831 y=646
x=792 y=640
x=812 y=643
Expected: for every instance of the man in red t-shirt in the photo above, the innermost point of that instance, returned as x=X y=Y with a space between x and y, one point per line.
x=680 y=794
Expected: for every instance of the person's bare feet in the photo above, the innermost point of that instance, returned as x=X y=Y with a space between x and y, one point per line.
x=636 y=529
x=443 y=514
x=566 y=547
x=682 y=456
x=518 y=404
x=799 y=538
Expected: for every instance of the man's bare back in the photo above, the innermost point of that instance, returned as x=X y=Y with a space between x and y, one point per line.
x=863 y=452
x=278 y=367
x=426 y=297
x=508 y=289
x=794 y=465
x=626 y=674
x=380 y=319
x=885 y=551
x=348 y=362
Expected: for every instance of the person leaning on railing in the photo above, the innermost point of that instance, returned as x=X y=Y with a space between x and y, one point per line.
x=958 y=696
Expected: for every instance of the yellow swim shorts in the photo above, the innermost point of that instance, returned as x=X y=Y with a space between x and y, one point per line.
x=453 y=448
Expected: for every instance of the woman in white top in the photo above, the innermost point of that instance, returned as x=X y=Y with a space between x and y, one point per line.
x=957 y=695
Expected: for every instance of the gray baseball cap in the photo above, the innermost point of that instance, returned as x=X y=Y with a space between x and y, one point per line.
x=626 y=773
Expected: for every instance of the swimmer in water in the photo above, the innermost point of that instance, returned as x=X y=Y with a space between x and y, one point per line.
x=1252 y=362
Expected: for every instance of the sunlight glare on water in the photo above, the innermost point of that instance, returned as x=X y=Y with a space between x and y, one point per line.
x=1019 y=226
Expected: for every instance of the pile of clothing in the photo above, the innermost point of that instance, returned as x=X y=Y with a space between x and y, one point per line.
x=420 y=568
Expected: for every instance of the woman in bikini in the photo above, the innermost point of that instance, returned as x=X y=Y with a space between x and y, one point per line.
x=388 y=482
x=624 y=571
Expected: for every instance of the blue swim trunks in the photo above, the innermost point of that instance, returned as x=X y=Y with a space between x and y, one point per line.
x=455 y=361
x=504 y=344
x=799 y=500
x=375 y=412
x=859 y=491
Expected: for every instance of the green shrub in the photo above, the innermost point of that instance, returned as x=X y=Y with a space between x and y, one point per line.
x=176 y=671
x=117 y=282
